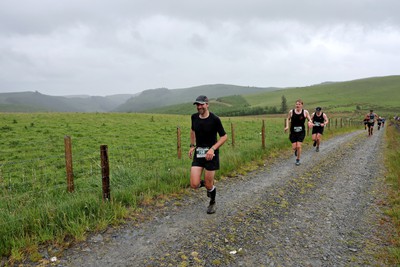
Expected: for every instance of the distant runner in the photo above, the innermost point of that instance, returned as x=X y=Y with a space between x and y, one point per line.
x=297 y=118
x=319 y=120
x=379 y=122
x=371 y=117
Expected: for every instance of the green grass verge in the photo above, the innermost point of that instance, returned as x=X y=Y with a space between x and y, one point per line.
x=392 y=162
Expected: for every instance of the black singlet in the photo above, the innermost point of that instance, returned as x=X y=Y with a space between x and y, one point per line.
x=317 y=120
x=297 y=122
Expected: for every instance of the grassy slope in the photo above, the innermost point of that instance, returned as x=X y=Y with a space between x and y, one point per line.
x=157 y=98
x=380 y=94
x=37 y=102
x=218 y=105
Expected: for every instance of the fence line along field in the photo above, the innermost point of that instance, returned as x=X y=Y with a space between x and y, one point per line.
x=35 y=206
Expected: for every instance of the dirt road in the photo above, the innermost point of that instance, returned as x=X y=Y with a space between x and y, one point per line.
x=324 y=212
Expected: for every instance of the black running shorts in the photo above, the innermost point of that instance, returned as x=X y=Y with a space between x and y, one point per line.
x=209 y=165
x=318 y=130
x=297 y=137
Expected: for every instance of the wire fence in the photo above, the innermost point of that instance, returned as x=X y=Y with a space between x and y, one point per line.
x=42 y=166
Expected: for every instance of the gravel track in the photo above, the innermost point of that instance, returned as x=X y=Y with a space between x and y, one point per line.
x=324 y=212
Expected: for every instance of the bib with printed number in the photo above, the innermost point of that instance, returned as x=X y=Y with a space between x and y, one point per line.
x=297 y=129
x=201 y=152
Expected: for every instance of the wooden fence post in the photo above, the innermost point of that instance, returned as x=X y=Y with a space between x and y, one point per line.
x=105 y=172
x=178 y=142
x=233 y=134
x=398 y=178
x=68 y=164
x=263 y=135
x=335 y=123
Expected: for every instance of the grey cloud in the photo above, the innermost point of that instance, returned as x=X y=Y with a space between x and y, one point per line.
x=124 y=46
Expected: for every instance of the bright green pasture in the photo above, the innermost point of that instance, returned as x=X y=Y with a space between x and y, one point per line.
x=142 y=148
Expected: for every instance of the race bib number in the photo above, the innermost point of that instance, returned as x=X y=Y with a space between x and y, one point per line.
x=297 y=129
x=201 y=152
x=317 y=123
x=371 y=121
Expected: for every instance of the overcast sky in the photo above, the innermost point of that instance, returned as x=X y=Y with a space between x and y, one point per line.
x=103 y=47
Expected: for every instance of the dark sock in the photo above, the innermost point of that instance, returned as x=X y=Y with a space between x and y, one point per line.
x=212 y=194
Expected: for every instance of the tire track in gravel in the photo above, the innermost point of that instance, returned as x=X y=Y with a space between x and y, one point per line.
x=315 y=214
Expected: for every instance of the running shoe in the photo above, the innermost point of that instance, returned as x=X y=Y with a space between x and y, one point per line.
x=317 y=150
x=315 y=143
x=297 y=162
x=211 y=208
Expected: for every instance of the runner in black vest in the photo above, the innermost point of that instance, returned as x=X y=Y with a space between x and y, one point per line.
x=297 y=118
x=379 y=123
x=320 y=120
x=371 y=117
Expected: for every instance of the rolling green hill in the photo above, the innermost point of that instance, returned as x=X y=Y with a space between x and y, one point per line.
x=37 y=102
x=148 y=99
x=378 y=93
x=158 y=98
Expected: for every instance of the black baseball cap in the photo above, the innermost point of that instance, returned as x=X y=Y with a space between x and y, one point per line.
x=318 y=109
x=201 y=99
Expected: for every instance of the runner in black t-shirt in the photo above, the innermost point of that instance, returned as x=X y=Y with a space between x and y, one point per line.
x=297 y=118
x=204 y=148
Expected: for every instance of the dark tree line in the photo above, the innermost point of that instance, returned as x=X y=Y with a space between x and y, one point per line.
x=245 y=110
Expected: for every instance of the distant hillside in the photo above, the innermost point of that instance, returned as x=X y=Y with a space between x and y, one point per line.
x=235 y=105
x=148 y=99
x=156 y=98
x=31 y=102
x=378 y=93
x=37 y=102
